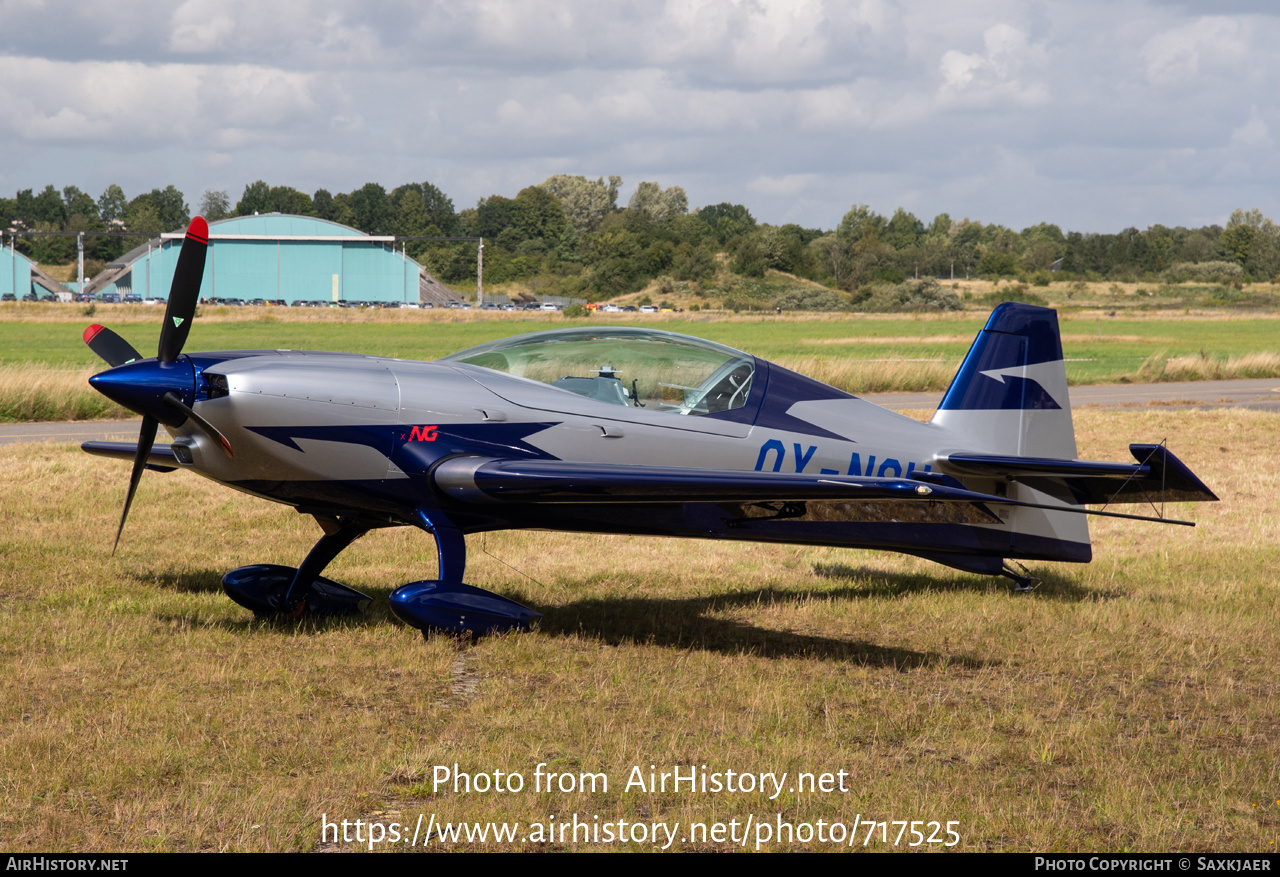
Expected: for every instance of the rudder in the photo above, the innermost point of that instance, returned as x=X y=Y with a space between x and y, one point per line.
x=1010 y=394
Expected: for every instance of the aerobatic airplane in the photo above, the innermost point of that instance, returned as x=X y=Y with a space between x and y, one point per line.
x=619 y=430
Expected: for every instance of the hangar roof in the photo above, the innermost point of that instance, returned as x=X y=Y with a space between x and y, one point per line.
x=275 y=226
x=282 y=225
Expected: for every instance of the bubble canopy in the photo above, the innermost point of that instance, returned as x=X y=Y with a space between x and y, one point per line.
x=641 y=368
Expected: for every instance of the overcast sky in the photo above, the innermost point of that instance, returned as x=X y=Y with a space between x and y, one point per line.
x=1093 y=115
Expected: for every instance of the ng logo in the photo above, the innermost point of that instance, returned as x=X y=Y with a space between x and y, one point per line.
x=422 y=434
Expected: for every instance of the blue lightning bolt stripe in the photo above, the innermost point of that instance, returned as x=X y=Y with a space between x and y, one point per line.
x=489 y=439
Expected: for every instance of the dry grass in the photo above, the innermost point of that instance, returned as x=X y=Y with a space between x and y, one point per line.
x=31 y=392
x=1159 y=367
x=1128 y=704
x=875 y=376
x=896 y=340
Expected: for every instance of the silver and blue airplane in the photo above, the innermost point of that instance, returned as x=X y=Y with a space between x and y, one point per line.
x=619 y=430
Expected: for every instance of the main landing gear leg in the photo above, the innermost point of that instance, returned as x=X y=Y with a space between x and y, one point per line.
x=446 y=603
x=299 y=597
x=271 y=589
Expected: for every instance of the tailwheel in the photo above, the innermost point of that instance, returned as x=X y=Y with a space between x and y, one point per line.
x=1024 y=582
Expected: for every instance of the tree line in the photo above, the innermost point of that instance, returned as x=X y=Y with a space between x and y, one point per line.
x=568 y=235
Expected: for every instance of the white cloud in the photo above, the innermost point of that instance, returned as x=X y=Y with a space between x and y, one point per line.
x=200 y=26
x=837 y=106
x=786 y=186
x=1177 y=56
x=1009 y=69
x=1103 y=110
x=129 y=102
x=1252 y=133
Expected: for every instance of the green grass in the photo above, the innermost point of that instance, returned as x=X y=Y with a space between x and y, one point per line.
x=1130 y=704
x=1112 y=345
x=859 y=353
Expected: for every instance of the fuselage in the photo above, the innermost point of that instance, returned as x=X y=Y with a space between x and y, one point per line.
x=350 y=434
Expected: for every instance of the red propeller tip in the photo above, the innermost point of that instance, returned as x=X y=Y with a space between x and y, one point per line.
x=198 y=230
x=91 y=332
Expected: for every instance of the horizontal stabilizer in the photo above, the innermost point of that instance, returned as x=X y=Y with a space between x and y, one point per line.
x=1158 y=476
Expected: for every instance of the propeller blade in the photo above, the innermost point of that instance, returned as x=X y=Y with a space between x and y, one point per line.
x=110 y=347
x=172 y=400
x=146 y=438
x=184 y=294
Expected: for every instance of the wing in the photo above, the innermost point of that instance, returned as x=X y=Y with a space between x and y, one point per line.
x=487 y=480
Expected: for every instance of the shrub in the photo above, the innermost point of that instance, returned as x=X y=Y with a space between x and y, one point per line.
x=887 y=275
x=1017 y=292
x=912 y=295
x=811 y=300
x=1203 y=272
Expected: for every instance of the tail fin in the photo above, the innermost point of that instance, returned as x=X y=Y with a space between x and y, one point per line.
x=1009 y=398
x=1010 y=394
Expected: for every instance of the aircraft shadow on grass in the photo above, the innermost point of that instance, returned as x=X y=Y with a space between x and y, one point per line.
x=689 y=623
x=879 y=584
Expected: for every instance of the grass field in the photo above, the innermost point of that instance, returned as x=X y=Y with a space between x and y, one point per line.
x=44 y=363
x=1130 y=704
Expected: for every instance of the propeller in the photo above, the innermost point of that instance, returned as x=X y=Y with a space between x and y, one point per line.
x=110 y=347
x=152 y=388
x=184 y=293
